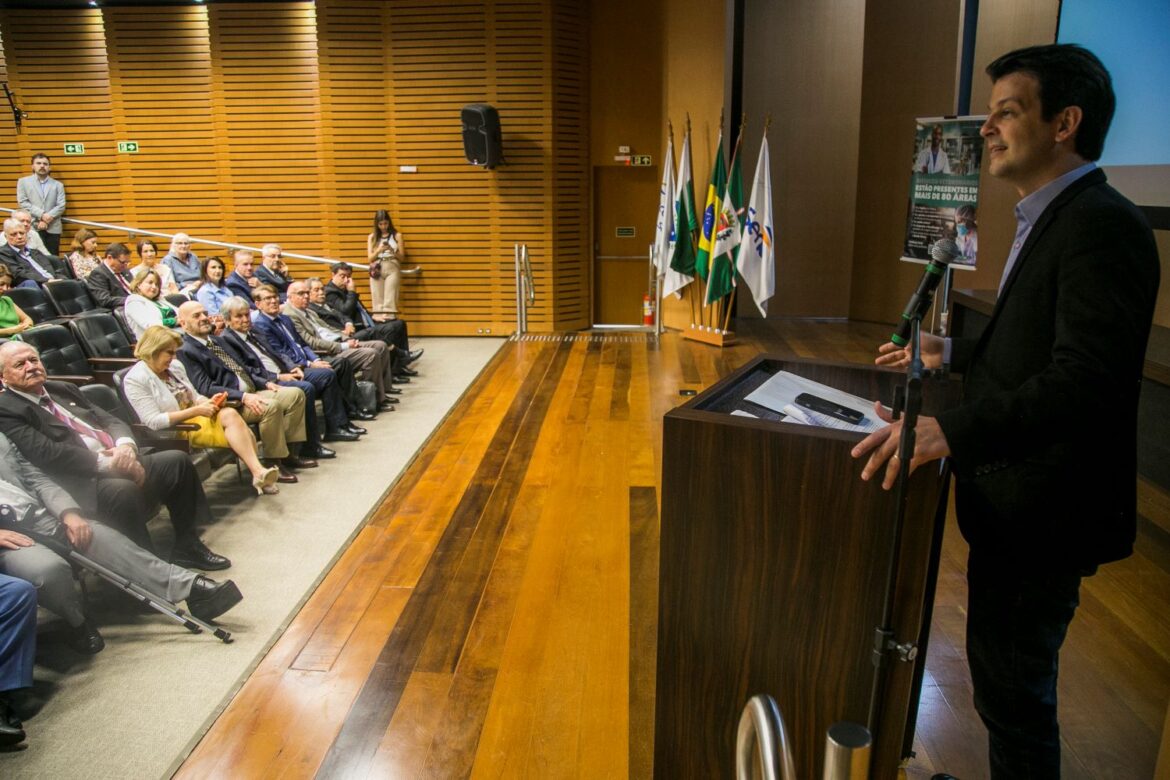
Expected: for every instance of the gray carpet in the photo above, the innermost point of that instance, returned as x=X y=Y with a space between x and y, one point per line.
x=136 y=709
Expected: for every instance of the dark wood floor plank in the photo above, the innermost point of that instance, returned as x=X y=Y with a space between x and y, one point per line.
x=643 y=626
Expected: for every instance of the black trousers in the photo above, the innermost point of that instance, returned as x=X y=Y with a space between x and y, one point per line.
x=171 y=479
x=1016 y=622
x=327 y=383
x=393 y=333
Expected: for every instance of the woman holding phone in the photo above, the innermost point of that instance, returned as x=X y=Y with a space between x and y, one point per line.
x=384 y=250
x=161 y=395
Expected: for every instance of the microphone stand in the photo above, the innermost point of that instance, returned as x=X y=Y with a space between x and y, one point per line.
x=906 y=406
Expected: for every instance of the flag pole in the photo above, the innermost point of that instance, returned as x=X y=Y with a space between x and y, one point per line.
x=694 y=243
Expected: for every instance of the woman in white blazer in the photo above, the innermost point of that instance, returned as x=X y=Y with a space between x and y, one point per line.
x=158 y=389
x=146 y=306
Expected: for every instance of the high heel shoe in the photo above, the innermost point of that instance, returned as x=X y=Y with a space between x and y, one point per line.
x=265 y=484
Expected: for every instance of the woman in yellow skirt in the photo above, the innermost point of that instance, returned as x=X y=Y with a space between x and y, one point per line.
x=158 y=389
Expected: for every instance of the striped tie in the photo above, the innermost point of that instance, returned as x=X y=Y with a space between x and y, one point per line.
x=232 y=365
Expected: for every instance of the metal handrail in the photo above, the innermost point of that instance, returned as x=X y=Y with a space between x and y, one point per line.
x=525 y=287
x=761 y=742
x=132 y=231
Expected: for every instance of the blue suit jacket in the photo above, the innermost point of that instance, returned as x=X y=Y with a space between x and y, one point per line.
x=239 y=286
x=293 y=352
x=207 y=372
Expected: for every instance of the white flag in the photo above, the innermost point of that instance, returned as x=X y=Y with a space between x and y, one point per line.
x=682 y=209
x=664 y=230
x=757 y=249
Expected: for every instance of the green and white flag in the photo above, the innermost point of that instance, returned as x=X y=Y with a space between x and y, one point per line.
x=682 y=249
x=728 y=230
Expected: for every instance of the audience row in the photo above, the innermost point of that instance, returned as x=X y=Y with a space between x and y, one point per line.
x=233 y=362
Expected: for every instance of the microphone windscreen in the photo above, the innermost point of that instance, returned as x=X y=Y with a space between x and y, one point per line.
x=944 y=251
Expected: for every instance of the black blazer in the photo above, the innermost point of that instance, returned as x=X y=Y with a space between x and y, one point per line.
x=1044 y=442
x=23 y=272
x=105 y=289
x=276 y=280
x=50 y=444
x=232 y=344
x=207 y=372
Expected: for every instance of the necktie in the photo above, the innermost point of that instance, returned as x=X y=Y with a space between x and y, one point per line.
x=298 y=353
x=232 y=365
x=27 y=257
x=78 y=425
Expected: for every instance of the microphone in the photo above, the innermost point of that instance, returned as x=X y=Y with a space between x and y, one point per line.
x=942 y=253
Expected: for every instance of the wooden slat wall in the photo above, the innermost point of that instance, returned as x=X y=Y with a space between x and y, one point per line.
x=288 y=122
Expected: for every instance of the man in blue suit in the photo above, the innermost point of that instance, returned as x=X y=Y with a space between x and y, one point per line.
x=280 y=334
x=18 y=643
x=242 y=280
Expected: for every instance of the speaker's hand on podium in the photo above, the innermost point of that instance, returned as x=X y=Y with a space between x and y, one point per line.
x=882 y=446
x=890 y=354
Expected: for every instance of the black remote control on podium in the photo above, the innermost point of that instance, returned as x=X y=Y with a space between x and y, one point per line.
x=818 y=404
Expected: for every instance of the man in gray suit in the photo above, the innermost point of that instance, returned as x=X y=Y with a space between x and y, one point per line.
x=44 y=197
x=41 y=507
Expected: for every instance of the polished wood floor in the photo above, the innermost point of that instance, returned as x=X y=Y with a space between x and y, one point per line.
x=497 y=616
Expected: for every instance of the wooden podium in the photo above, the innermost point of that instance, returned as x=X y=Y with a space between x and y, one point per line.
x=773 y=567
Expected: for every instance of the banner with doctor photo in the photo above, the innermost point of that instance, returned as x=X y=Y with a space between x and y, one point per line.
x=944 y=188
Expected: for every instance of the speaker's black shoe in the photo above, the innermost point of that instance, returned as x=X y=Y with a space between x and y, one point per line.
x=362 y=416
x=85 y=639
x=393 y=391
x=196 y=555
x=11 y=729
x=339 y=435
x=209 y=599
x=356 y=430
x=299 y=462
x=404 y=371
x=388 y=403
x=402 y=379
x=943 y=776
x=321 y=452
x=413 y=355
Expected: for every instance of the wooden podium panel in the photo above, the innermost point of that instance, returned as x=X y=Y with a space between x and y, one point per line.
x=773 y=566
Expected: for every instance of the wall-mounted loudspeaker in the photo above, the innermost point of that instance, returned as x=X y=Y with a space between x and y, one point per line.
x=481 y=135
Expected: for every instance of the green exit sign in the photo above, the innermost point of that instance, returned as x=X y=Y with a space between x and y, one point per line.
x=74 y=148
x=641 y=160
x=128 y=147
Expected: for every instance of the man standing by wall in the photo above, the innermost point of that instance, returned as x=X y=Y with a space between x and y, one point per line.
x=1044 y=493
x=44 y=197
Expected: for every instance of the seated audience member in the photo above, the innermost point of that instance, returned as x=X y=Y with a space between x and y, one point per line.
x=280 y=334
x=92 y=455
x=212 y=292
x=184 y=263
x=42 y=508
x=28 y=267
x=109 y=283
x=161 y=395
x=341 y=296
x=148 y=254
x=18 y=645
x=337 y=322
x=34 y=241
x=83 y=255
x=242 y=280
x=145 y=306
x=279 y=411
x=372 y=358
x=267 y=369
x=272 y=271
x=12 y=319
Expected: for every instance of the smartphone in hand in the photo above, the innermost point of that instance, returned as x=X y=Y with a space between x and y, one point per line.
x=219 y=399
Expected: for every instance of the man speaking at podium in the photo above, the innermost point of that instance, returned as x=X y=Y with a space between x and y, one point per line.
x=1043 y=446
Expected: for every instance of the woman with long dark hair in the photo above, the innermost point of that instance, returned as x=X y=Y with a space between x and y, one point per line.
x=384 y=250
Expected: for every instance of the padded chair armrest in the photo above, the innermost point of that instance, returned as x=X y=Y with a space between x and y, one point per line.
x=150 y=438
x=73 y=379
x=112 y=361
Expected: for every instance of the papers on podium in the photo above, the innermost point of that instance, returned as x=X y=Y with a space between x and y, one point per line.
x=780 y=391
